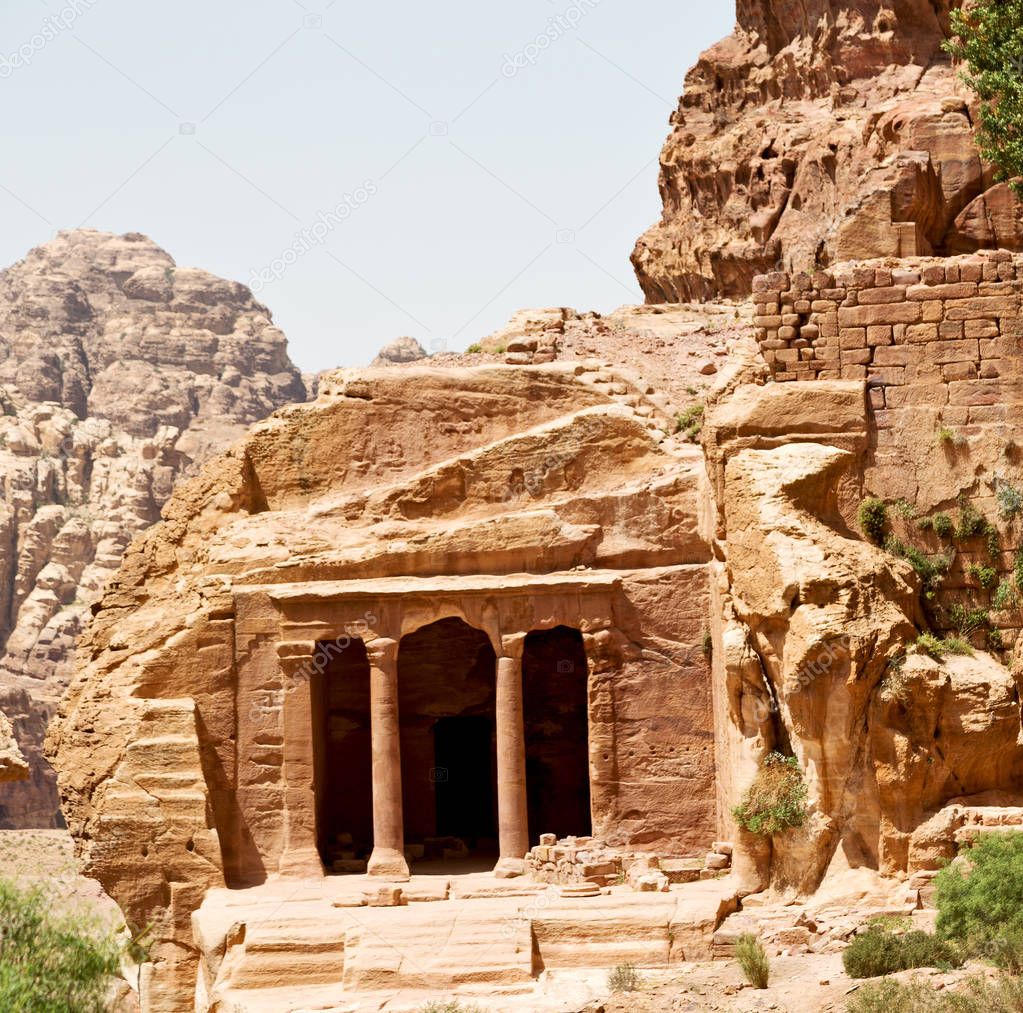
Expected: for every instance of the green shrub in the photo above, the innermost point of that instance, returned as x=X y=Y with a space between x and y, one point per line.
x=984 y=575
x=971 y=522
x=690 y=422
x=943 y=525
x=624 y=978
x=882 y=950
x=931 y=571
x=949 y=437
x=973 y=995
x=1005 y=596
x=984 y=903
x=474 y=349
x=967 y=622
x=1010 y=500
x=988 y=38
x=776 y=800
x=873 y=517
x=752 y=958
x=938 y=648
x=50 y=963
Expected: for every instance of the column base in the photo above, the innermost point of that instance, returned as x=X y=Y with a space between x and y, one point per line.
x=386 y=863
x=509 y=868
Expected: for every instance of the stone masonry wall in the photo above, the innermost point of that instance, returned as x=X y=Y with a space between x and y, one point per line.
x=895 y=324
x=938 y=343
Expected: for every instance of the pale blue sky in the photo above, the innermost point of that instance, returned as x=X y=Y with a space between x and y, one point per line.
x=469 y=171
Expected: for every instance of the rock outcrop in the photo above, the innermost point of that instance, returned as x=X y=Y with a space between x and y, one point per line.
x=399 y=352
x=119 y=373
x=818 y=133
x=13 y=766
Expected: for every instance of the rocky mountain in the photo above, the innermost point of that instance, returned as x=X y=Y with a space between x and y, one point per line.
x=817 y=133
x=119 y=373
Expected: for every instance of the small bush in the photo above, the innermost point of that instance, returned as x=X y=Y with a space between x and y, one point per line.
x=947 y=436
x=930 y=571
x=984 y=903
x=624 y=978
x=984 y=575
x=971 y=523
x=1005 y=596
x=881 y=950
x=937 y=648
x=474 y=349
x=690 y=422
x=752 y=958
x=776 y=800
x=972 y=995
x=904 y=509
x=968 y=622
x=873 y=518
x=50 y=963
x=943 y=525
x=995 y=640
x=1010 y=501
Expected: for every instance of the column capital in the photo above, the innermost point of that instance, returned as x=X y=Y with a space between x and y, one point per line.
x=512 y=645
x=382 y=651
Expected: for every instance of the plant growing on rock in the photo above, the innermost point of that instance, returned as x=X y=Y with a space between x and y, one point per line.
x=690 y=422
x=624 y=978
x=50 y=963
x=981 y=902
x=873 y=518
x=752 y=958
x=1010 y=500
x=938 y=648
x=776 y=799
x=930 y=570
x=988 y=37
x=1005 y=596
x=972 y=995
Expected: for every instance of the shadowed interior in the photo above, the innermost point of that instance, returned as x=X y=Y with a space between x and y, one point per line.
x=554 y=678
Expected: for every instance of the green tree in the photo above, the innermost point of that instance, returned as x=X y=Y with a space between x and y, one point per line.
x=51 y=963
x=988 y=38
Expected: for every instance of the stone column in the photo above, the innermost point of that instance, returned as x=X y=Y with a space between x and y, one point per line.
x=512 y=816
x=388 y=857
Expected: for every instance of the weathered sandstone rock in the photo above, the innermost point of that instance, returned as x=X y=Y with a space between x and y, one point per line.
x=542 y=543
x=119 y=373
x=12 y=764
x=818 y=133
x=399 y=352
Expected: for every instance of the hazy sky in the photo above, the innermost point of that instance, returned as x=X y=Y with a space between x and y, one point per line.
x=382 y=168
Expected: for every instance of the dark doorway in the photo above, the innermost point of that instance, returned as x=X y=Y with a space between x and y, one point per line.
x=446 y=677
x=343 y=774
x=555 y=703
x=465 y=796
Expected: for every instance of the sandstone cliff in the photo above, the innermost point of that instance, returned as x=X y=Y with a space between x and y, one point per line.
x=119 y=373
x=816 y=133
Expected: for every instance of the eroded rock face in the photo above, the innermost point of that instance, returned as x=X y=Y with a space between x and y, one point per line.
x=820 y=133
x=549 y=505
x=13 y=766
x=119 y=373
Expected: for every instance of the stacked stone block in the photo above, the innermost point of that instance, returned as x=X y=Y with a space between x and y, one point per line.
x=895 y=324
